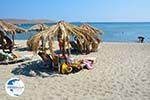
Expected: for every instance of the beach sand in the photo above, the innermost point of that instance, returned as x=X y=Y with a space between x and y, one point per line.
x=121 y=72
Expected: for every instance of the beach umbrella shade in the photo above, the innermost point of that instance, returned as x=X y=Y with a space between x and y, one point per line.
x=93 y=31
x=38 y=27
x=62 y=30
x=10 y=28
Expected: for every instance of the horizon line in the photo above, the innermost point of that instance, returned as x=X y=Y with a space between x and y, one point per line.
x=54 y=21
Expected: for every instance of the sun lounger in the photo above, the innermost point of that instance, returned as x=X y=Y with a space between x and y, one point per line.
x=47 y=59
x=17 y=60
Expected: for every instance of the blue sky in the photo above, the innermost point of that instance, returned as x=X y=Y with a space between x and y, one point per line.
x=77 y=10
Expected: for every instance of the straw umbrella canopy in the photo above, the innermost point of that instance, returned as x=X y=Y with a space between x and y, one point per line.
x=61 y=30
x=38 y=27
x=92 y=30
x=10 y=28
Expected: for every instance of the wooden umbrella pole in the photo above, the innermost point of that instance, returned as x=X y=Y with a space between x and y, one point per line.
x=43 y=44
x=13 y=38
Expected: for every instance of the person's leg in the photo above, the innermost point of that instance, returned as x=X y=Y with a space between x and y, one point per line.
x=68 y=52
x=142 y=40
x=63 y=52
x=87 y=49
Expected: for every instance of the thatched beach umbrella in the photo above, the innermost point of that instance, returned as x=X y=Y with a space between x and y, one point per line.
x=92 y=30
x=62 y=31
x=38 y=27
x=10 y=28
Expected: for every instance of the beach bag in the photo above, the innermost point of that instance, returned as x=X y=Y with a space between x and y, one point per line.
x=65 y=68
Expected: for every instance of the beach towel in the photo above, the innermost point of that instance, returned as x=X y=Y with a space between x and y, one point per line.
x=88 y=62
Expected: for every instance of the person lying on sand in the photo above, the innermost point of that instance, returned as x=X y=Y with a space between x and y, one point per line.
x=65 y=64
x=72 y=66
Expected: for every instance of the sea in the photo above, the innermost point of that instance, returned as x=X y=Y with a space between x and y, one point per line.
x=113 y=31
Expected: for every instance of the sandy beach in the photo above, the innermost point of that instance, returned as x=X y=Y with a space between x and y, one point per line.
x=121 y=72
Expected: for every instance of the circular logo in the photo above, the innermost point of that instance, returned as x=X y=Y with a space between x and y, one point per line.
x=14 y=87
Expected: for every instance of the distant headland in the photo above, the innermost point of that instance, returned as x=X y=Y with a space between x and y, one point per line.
x=26 y=21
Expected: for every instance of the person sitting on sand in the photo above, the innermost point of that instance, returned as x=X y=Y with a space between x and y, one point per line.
x=141 y=39
x=64 y=46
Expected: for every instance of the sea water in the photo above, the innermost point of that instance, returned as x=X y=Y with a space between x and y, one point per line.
x=113 y=31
